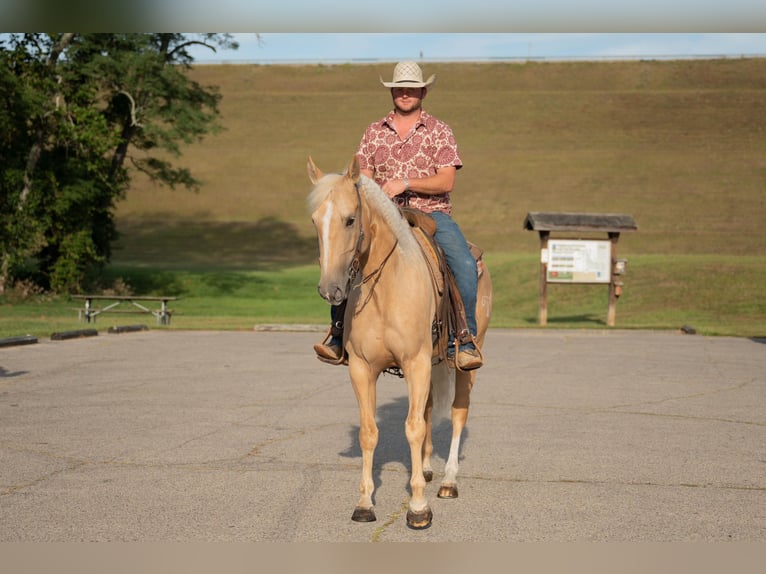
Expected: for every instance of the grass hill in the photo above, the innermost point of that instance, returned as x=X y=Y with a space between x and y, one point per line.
x=680 y=145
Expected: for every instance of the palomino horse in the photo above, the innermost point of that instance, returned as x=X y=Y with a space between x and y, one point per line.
x=369 y=255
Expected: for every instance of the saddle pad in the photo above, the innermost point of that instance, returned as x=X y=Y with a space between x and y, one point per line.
x=431 y=257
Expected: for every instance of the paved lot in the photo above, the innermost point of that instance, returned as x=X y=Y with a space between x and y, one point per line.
x=226 y=436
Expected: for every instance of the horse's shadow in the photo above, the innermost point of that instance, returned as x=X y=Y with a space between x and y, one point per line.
x=392 y=441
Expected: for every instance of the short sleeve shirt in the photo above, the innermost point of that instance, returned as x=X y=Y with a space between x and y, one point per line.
x=429 y=145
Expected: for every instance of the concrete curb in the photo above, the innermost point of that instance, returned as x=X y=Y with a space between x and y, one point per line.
x=15 y=341
x=127 y=329
x=76 y=334
x=298 y=328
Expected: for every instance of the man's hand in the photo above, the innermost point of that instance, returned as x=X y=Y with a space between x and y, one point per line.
x=394 y=187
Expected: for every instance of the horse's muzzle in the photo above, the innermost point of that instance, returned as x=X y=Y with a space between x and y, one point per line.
x=333 y=294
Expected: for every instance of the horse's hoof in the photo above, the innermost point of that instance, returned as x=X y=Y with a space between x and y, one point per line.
x=428 y=475
x=419 y=520
x=363 y=515
x=448 y=491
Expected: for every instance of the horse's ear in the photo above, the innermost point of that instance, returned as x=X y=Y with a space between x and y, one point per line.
x=315 y=174
x=353 y=169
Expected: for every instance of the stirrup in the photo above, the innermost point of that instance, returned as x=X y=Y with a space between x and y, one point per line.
x=322 y=350
x=456 y=354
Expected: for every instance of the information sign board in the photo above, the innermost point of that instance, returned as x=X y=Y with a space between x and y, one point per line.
x=579 y=261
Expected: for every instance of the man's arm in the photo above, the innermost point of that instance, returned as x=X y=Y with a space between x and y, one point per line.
x=443 y=181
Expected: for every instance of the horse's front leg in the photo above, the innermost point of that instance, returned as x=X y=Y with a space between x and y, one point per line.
x=418 y=375
x=463 y=385
x=363 y=381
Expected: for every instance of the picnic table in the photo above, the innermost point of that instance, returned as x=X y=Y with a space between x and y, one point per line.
x=111 y=302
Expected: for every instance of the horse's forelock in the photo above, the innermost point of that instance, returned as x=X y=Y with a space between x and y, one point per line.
x=321 y=190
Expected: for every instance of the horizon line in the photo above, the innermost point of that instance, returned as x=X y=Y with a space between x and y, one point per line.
x=479 y=59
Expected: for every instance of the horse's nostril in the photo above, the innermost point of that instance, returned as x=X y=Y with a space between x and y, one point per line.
x=333 y=294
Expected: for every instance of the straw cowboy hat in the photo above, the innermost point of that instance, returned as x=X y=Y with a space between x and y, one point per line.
x=408 y=75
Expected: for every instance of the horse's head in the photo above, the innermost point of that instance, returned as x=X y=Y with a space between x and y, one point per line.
x=336 y=211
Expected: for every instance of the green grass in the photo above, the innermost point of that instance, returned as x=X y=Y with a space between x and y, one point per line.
x=717 y=295
x=679 y=145
x=207 y=300
x=660 y=293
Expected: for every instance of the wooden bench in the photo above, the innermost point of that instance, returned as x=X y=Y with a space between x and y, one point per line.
x=89 y=312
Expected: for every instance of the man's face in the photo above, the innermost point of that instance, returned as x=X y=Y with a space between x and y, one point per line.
x=408 y=99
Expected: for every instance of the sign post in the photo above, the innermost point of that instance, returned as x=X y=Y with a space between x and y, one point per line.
x=581 y=260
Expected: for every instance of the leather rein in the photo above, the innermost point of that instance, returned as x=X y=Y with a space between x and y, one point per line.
x=355 y=265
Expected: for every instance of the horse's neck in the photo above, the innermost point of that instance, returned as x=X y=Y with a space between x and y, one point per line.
x=382 y=244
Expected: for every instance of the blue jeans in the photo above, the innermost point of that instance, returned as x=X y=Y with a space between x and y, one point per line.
x=462 y=263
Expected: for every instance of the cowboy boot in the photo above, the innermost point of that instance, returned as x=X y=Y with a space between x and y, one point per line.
x=469 y=357
x=330 y=350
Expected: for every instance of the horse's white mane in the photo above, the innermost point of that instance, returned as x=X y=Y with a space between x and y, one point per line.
x=379 y=202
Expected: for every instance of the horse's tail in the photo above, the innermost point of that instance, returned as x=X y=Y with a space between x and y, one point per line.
x=442 y=389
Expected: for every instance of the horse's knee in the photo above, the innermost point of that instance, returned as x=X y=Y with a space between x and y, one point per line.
x=368 y=437
x=415 y=429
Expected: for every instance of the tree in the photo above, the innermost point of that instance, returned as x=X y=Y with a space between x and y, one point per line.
x=76 y=112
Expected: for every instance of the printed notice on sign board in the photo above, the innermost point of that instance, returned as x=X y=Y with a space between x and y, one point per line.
x=579 y=261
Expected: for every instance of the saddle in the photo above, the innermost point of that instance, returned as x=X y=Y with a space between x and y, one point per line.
x=450 y=313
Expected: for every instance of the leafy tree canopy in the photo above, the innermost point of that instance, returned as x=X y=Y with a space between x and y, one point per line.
x=76 y=111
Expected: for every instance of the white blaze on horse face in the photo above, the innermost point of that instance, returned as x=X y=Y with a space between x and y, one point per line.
x=325 y=233
x=333 y=273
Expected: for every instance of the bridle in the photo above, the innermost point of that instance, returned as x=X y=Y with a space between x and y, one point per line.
x=355 y=265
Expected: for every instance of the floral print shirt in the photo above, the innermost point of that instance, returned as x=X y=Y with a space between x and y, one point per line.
x=429 y=145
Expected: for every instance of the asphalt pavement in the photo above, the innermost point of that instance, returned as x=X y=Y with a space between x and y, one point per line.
x=573 y=435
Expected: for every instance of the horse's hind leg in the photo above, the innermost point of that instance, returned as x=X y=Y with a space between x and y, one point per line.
x=463 y=385
x=363 y=382
x=439 y=400
x=428 y=445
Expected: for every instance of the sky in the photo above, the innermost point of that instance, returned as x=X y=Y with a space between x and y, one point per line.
x=331 y=47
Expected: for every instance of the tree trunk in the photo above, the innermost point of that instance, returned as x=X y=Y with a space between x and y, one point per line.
x=4 y=272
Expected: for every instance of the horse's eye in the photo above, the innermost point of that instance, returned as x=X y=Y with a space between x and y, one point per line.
x=350 y=221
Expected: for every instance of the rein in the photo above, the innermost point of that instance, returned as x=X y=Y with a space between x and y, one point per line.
x=376 y=274
x=353 y=268
x=355 y=265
